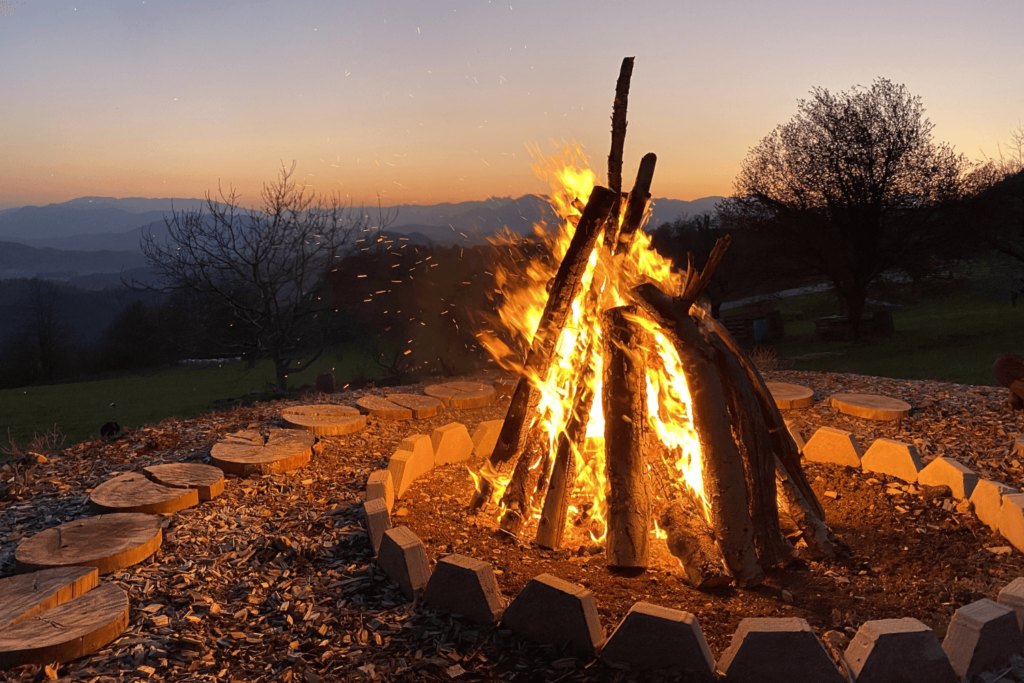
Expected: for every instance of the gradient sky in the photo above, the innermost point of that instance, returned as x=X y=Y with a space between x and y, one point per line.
x=426 y=101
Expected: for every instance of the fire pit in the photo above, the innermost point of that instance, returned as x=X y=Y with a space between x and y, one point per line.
x=635 y=412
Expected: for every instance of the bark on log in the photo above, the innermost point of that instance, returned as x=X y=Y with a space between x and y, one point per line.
x=758 y=456
x=815 y=533
x=624 y=399
x=783 y=444
x=692 y=542
x=524 y=481
x=619 y=126
x=565 y=288
x=636 y=205
x=722 y=467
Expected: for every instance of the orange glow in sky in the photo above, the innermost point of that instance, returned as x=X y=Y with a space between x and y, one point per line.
x=425 y=102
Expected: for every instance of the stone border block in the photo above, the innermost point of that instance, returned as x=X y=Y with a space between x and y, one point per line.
x=381 y=485
x=894 y=458
x=378 y=521
x=485 y=437
x=1011 y=519
x=987 y=500
x=653 y=638
x=777 y=650
x=982 y=636
x=413 y=459
x=1012 y=595
x=550 y=611
x=451 y=443
x=466 y=586
x=948 y=472
x=833 y=446
x=895 y=650
x=404 y=558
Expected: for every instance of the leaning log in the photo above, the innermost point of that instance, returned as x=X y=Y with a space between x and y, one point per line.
x=624 y=400
x=636 y=205
x=516 y=498
x=813 y=530
x=722 y=466
x=692 y=542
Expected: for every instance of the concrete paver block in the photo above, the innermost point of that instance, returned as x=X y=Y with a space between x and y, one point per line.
x=797 y=434
x=404 y=558
x=550 y=610
x=485 y=437
x=654 y=638
x=1012 y=595
x=466 y=586
x=948 y=472
x=1018 y=445
x=451 y=443
x=413 y=459
x=1011 y=519
x=377 y=521
x=894 y=458
x=987 y=499
x=381 y=485
x=777 y=650
x=898 y=651
x=834 y=446
x=982 y=636
x=420 y=444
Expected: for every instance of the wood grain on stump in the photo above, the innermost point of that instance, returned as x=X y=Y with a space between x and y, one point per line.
x=244 y=453
x=66 y=632
x=107 y=542
x=790 y=396
x=325 y=419
x=133 y=492
x=421 y=406
x=383 y=409
x=462 y=395
x=207 y=480
x=26 y=595
x=870 y=406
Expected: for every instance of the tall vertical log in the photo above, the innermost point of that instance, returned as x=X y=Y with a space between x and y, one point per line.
x=722 y=466
x=624 y=399
x=619 y=126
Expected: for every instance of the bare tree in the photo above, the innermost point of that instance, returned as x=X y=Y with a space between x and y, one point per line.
x=262 y=270
x=1000 y=202
x=850 y=184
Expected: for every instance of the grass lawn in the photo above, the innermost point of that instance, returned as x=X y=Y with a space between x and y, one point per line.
x=79 y=409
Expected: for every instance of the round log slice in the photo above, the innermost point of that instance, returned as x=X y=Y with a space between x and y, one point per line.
x=244 y=453
x=107 y=542
x=462 y=395
x=207 y=480
x=133 y=492
x=25 y=595
x=870 y=406
x=421 y=406
x=383 y=409
x=325 y=419
x=790 y=396
x=66 y=632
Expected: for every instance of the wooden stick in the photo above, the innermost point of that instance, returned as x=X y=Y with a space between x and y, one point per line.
x=722 y=467
x=524 y=480
x=624 y=399
x=619 y=126
x=692 y=542
x=636 y=205
x=815 y=533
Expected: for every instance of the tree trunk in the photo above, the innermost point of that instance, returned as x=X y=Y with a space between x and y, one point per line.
x=624 y=401
x=281 y=375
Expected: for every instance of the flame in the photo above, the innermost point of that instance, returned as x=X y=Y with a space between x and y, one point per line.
x=522 y=287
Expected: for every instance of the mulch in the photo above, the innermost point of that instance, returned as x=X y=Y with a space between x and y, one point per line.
x=274 y=579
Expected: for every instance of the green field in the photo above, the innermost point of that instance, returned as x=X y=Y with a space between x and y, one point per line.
x=79 y=409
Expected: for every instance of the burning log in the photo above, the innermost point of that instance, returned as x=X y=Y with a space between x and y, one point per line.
x=624 y=399
x=517 y=494
x=722 y=467
x=814 y=531
x=619 y=126
x=636 y=205
x=692 y=542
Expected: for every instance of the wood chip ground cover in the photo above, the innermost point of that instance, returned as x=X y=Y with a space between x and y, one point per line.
x=273 y=580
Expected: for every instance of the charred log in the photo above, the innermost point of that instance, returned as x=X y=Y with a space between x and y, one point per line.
x=692 y=542
x=636 y=205
x=813 y=530
x=619 y=126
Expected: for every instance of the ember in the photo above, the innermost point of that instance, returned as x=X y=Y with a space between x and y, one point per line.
x=635 y=410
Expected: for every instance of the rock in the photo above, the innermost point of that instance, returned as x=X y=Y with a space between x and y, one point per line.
x=133 y=492
x=246 y=452
x=833 y=446
x=324 y=419
x=377 y=521
x=404 y=558
x=651 y=638
x=107 y=542
x=948 y=472
x=898 y=650
x=797 y=435
x=894 y=458
x=207 y=480
x=982 y=636
x=485 y=437
x=1011 y=519
x=870 y=406
x=929 y=493
x=1012 y=595
x=551 y=611
x=466 y=586
x=381 y=485
x=382 y=409
x=451 y=443
x=987 y=499
x=25 y=595
x=422 y=407
x=325 y=383
x=790 y=396
x=414 y=458
x=777 y=650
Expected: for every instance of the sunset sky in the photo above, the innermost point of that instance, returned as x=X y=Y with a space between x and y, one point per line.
x=424 y=102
